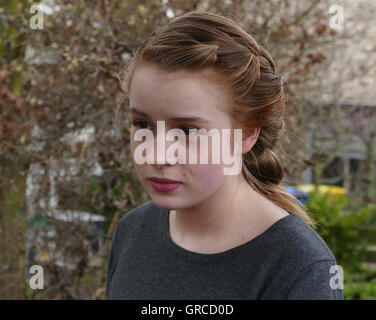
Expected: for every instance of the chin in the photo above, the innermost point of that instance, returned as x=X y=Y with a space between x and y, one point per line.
x=168 y=202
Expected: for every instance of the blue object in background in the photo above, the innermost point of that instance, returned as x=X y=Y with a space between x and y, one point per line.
x=302 y=196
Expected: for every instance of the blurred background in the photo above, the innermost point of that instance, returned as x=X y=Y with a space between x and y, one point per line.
x=66 y=174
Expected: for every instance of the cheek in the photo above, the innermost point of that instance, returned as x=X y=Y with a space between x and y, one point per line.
x=133 y=144
x=206 y=176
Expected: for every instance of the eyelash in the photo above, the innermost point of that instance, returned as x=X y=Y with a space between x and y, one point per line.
x=137 y=123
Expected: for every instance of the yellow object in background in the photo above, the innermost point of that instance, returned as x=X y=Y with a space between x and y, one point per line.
x=323 y=188
x=44 y=256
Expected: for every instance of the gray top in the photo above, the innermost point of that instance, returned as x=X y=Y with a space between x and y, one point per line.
x=287 y=261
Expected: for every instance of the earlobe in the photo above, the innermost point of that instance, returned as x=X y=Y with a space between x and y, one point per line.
x=249 y=139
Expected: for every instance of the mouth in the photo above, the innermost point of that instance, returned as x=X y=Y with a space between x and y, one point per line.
x=164 y=184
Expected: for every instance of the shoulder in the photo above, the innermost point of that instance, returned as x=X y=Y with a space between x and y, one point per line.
x=297 y=240
x=139 y=215
x=142 y=210
x=133 y=224
x=319 y=280
x=302 y=264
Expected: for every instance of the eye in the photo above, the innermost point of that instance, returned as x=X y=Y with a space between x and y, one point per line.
x=187 y=129
x=141 y=124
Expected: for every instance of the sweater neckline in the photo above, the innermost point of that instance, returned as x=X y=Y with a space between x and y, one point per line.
x=196 y=257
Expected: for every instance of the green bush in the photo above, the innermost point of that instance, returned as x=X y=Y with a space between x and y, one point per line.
x=360 y=291
x=360 y=285
x=337 y=225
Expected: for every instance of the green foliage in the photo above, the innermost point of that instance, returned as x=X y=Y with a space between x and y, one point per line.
x=360 y=286
x=360 y=291
x=337 y=225
x=372 y=217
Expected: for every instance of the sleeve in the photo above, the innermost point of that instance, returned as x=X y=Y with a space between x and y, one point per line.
x=112 y=258
x=321 y=280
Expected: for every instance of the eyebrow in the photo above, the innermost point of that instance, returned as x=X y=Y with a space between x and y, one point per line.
x=198 y=119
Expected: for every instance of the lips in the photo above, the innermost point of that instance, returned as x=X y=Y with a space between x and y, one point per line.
x=164 y=184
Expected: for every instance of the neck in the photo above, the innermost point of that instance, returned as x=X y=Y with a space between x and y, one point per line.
x=221 y=213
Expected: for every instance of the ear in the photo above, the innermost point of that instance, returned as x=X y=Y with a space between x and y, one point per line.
x=249 y=139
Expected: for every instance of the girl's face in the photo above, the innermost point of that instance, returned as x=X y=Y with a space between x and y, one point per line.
x=182 y=100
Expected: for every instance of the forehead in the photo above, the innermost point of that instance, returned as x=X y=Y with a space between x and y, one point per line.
x=155 y=90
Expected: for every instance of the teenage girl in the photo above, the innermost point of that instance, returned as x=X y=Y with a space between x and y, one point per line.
x=204 y=234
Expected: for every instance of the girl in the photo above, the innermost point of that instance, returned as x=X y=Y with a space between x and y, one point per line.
x=206 y=235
